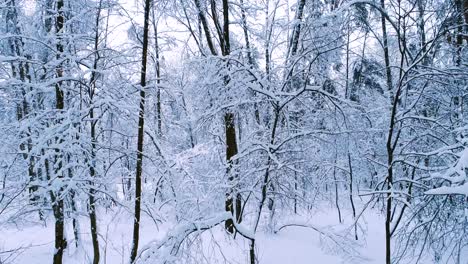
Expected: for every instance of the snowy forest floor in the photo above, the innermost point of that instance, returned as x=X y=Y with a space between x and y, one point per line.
x=34 y=243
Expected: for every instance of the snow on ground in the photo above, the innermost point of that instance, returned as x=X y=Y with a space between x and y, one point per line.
x=290 y=245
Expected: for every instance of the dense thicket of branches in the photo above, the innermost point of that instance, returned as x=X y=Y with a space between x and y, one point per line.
x=238 y=113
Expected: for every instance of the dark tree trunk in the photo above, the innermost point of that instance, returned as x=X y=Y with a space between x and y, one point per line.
x=92 y=191
x=231 y=151
x=337 y=203
x=389 y=145
x=295 y=192
x=351 y=200
x=230 y=126
x=92 y=169
x=249 y=54
x=252 y=252
x=246 y=34
x=74 y=213
x=206 y=28
x=388 y=216
x=229 y=116
x=57 y=199
x=60 y=242
x=158 y=77
x=294 y=42
x=141 y=130
x=388 y=71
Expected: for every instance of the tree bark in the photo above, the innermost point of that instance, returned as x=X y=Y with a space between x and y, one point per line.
x=337 y=203
x=57 y=200
x=158 y=77
x=141 y=124
x=231 y=151
x=294 y=42
x=388 y=71
x=229 y=117
x=231 y=141
x=389 y=145
x=206 y=28
x=246 y=34
x=92 y=170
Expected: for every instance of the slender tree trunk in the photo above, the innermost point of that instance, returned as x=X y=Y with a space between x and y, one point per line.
x=206 y=28
x=351 y=200
x=388 y=214
x=267 y=40
x=246 y=34
x=389 y=146
x=75 y=223
x=253 y=259
x=294 y=42
x=249 y=54
x=264 y=186
x=92 y=166
x=347 y=63
x=235 y=207
x=388 y=71
x=141 y=129
x=295 y=192
x=337 y=203
x=92 y=191
x=57 y=199
x=158 y=76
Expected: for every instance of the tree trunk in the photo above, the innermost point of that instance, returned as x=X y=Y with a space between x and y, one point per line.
x=337 y=203
x=294 y=42
x=158 y=77
x=389 y=179
x=92 y=191
x=351 y=200
x=141 y=124
x=92 y=169
x=231 y=151
x=229 y=116
x=60 y=242
x=249 y=54
x=57 y=200
x=204 y=22
x=74 y=214
x=246 y=34
x=388 y=71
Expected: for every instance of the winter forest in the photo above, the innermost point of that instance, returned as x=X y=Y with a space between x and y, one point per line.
x=233 y=131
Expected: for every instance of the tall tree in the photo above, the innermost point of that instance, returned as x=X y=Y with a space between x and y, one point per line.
x=93 y=123
x=141 y=133
x=57 y=198
x=229 y=116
